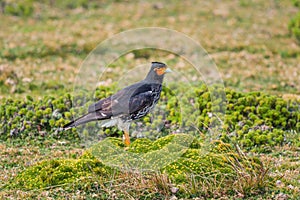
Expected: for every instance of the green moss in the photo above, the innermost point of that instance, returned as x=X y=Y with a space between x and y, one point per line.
x=140 y=145
x=58 y=172
x=253 y=116
x=197 y=163
x=170 y=155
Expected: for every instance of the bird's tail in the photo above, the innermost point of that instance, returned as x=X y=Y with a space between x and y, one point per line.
x=81 y=120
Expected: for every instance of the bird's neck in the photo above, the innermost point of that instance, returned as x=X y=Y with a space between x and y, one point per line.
x=153 y=78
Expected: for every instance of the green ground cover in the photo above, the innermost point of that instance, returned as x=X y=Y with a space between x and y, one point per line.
x=254 y=154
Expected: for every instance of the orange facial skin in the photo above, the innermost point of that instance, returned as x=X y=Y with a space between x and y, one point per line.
x=160 y=71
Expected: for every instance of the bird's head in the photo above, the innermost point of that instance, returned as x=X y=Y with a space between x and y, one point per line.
x=157 y=72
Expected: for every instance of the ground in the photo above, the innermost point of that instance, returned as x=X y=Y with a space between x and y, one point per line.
x=249 y=41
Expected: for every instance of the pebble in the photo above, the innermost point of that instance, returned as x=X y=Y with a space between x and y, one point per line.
x=278 y=182
x=174 y=190
x=290 y=187
x=281 y=196
x=173 y=197
x=158 y=6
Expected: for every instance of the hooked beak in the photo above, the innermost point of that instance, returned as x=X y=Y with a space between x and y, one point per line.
x=168 y=70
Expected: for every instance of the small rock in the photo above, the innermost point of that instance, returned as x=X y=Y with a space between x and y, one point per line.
x=278 y=182
x=223 y=12
x=265 y=127
x=13 y=132
x=241 y=123
x=56 y=114
x=62 y=143
x=129 y=56
x=240 y=195
x=27 y=80
x=42 y=133
x=158 y=6
x=171 y=56
x=281 y=196
x=9 y=81
x=290 y=187
x=274 y=86
x=173 y=197
x=45 y=193
x=174 y=190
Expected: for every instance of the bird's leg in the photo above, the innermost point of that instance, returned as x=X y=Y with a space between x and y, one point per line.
x=126 y=134
x=126 y=138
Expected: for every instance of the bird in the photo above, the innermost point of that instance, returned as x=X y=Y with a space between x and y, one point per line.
x=128 y=104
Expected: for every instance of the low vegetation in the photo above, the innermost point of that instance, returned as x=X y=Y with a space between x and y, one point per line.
x=222 y=165
x=255 y=120
x=212 y=142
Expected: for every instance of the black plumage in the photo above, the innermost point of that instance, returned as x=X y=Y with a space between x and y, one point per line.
x=131 y=103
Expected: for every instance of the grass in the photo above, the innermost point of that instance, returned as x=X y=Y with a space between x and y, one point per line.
x=243 y=45
x=249 y=182
x=249 y=41
x=250 y=178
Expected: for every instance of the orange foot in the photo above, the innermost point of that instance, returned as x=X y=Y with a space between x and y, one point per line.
x=126 y=139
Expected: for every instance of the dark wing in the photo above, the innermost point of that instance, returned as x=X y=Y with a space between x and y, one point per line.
x=129 y=100
x=107 y=103
x=124 y=101
x=141 y=101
